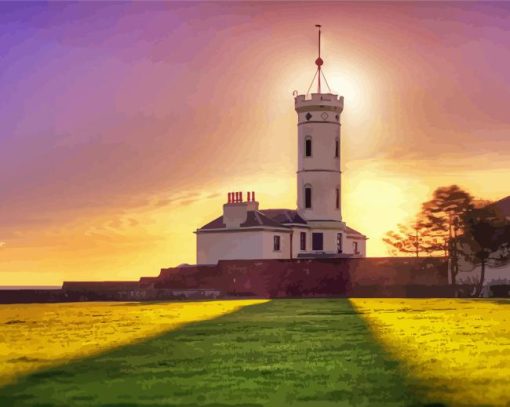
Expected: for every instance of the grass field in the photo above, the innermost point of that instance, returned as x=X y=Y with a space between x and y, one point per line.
x=311 y=352
x=458 y=351
x=34 y=336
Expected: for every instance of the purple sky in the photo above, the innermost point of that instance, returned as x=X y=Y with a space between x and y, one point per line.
x=123 y=126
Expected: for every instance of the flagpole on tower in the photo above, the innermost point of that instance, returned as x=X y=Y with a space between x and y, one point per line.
x=319 y=61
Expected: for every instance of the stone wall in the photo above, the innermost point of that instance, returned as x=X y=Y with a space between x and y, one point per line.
x=346 y=277
x=371 y=277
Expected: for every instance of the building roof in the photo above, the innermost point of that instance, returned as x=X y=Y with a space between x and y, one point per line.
x=284 y=216
x=503 y=206
x=272 y=218
x=352 y=232
x=253 y=219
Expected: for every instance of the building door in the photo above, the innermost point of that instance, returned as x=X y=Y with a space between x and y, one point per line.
x=317 y=241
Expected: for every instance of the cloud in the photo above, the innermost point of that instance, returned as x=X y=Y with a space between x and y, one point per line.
x=2 y=244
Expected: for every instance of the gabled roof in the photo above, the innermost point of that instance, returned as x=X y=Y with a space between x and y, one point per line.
x=253 y=219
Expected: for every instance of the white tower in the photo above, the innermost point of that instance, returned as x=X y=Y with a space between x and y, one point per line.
x=318 y=175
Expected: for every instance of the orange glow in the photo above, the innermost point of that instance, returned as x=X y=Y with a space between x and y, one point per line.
x=112 y=152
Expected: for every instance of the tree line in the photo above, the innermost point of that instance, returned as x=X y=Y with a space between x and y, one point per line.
x=455 y=225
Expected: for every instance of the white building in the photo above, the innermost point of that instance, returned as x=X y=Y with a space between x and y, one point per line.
x=316 y=228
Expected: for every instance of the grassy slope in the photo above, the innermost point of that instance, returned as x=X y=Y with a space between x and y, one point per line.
x=285 y=352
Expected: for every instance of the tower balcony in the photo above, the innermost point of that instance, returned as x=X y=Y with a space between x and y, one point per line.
x=319 y=101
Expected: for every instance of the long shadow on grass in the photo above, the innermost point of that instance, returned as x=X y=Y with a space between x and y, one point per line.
x=284 y=352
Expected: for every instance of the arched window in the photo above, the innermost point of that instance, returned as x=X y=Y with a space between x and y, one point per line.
x=337 y=198
x=308 y=146
x=308 y=196
x=337 y=148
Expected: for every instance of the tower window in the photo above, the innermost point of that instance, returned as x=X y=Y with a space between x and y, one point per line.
x=337 y=198
x=302 y=240
x=308 y=116
x=337 y=148
x=317 y=241
x=308 y=147
x=276 y=243
x=339 y=243
x=308 y=196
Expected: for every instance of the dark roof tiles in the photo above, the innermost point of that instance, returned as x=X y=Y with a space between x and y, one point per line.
x=351 y=231
x=284 y=216
x=503 y=206
x=215 y=224
x=253 y=219
x=274 y=218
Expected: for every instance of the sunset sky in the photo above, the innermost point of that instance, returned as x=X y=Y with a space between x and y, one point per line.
x=123 y=126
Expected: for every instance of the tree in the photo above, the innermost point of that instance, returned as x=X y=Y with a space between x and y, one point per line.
x=444 y=219
x=414 y=239
x=436 y=228
x=485 y=241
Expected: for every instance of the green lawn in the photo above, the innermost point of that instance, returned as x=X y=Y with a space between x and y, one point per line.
x=279 y=353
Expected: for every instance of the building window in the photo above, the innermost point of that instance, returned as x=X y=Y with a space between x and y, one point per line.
x=308 y=196
x=339 y=243
x=302 y=240
x=308 y=147
x=355 y=247
x=337 y=199
x=276 y=243
x=317 y=241
x=337 y=148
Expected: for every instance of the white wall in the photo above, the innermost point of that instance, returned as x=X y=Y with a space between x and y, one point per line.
x=246 y=245
x=324 y=185
x=296 y=241
x=349 y=246
x=322 y=169
x=493 y=275
x=329 y=240
x=240 y=245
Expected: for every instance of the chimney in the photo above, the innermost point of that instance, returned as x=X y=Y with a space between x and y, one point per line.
x=235 y=211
